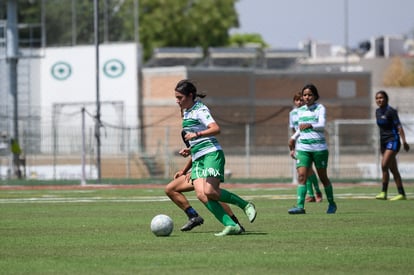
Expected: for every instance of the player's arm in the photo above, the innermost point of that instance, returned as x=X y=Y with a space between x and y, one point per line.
x=213 y=129
x=185 y=170
x=292 y=139
x=402 y=136
x=292 y=143
x=397 y=123
x=185 y=152
x=320 y=125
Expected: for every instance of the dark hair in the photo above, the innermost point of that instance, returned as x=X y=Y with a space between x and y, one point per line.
x=313 y=89
x=186 y=87
x=384 y=94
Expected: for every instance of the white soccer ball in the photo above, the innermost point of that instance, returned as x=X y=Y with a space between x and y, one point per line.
x=162 y=225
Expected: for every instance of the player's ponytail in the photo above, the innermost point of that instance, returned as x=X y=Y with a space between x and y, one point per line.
x=186 y=87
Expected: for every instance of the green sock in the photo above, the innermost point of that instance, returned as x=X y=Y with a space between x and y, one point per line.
x=232 y=198
x=309 y=187
x=301 y=192
x=329 y=193
x=218 y=212
x=315 y=183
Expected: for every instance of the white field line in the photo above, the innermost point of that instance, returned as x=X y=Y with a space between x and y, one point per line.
x=56 y=199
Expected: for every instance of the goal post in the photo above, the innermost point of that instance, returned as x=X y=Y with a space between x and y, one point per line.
x=355 y=149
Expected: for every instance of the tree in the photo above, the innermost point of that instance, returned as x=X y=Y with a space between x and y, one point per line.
x=162 y=23
x=178 y=23
x=397 y=75
x=242 y=40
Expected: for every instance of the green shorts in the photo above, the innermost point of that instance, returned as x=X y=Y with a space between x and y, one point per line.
x=306 y=158
x=209 y=165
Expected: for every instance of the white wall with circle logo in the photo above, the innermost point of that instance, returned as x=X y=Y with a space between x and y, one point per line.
x=68 y=75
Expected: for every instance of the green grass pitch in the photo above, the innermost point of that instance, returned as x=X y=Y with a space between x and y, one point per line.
x=106 y=231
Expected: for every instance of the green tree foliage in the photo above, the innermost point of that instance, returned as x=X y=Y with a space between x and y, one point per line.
x=399 y=74
x=162 y=23
x=241 y=40
x=175 y=23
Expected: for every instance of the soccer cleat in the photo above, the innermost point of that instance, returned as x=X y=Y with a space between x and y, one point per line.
x=297 y=210
x=310 y=199
x=193 y=222
x=381 y=196
x=331 y=209
x=319 y=197
x=230 y=230
x=250 y=211
x=399 y=197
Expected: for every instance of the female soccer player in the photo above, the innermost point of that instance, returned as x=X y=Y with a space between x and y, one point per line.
x=311 y=148
x=391 y=131
x=312 y=180
x=207 y=158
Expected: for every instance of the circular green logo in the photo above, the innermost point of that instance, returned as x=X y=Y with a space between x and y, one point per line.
x=61 y=70
x=113 y=68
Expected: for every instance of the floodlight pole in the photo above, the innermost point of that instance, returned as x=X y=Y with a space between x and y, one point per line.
x=98 y=103
x=12 y=59
x=83 y=178
x=346 y=15
x=139 y=78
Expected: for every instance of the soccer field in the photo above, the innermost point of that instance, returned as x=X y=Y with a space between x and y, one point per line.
x=107 y=231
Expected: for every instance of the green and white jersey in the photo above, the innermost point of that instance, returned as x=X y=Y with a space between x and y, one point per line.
x=312 y=139
x=196 y=119
x=293 y=119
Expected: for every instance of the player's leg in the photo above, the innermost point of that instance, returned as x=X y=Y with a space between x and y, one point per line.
x=301 y=190
x=232 y=198
x=302 y=165
x=174 y=190
x=321 y=164
x=397 y=178
x=207 y=172
x=314 y=179
x=214 y=206
x=215 y=161
x=212 y=191
x=386 y=155
x=230 y=212
x=309 y=187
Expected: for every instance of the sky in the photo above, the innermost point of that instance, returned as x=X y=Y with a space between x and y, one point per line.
x=285 y=23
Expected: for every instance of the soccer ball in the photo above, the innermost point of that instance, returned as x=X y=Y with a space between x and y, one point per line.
x=162 y=225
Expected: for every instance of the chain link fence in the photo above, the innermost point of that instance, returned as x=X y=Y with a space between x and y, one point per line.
x=253 y=151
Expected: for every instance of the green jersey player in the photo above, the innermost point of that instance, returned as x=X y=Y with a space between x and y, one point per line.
x=311 y=148
x=207 y=158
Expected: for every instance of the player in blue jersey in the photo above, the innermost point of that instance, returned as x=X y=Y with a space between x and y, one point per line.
x=207 y=158
x=391 y=135
x=311 y=148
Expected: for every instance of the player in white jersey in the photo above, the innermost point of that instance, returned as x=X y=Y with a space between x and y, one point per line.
x=207 y=158
x=311 y=148
x=312 y=180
